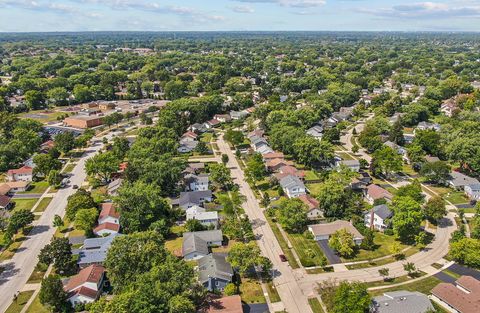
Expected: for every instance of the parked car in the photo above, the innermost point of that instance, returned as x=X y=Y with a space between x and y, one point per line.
x=75 y=186
x=283 y=258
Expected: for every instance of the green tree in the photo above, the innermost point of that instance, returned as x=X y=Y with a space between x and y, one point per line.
x=386 y=161
x=243 y=256
x=35 y=99
x=407 y=218
x=410 y=268
x=44 y=163
x=234 y=137
x=19 y=220
x=220 y=176
x=102 y=165
x=225 y=158
x=58 y=252
x=256 y=170
x=465 y=251
x=57 y=221
x=180 y=304
x=396 y=133
x=52 y=294
x=292 y=215
x=58 y=96
x=65 y=142
x=81 y=199
x=194 y=225
x=311 y=152
x=175 y=89
x=54 y=178
x=342 y=242
x=230 y=289
x=231 y=202
x=436 y=172
x=435 y=209
x=384 y=272
x=351 y=298
x=82 y=93
x=85 y=219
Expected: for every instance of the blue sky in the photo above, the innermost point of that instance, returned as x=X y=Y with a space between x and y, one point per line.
x=268 y=15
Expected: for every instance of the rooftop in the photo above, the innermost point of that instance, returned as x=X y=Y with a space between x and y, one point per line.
x=91 y=274
x=464 y=295
x=401 y=302
x=330 y=228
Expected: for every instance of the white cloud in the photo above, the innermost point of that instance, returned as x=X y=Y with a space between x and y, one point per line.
x=243 y=9
x=290 y=3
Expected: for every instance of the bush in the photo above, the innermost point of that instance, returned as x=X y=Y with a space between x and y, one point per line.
x=388 y=232
x=230 y=290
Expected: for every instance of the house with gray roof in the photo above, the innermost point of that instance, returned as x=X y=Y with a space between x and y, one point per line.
x=458 y=180
x=401 y=302
x=214 y=272
x=316 y=132
x=378 y=217
x=196 y=244
x=195 y=182
x=353 y=165
x=187 y=146
x=190 y=198
x=236 y=115
x=472 y=191
x=114 y=185
x=94 y=250
x=293 y=186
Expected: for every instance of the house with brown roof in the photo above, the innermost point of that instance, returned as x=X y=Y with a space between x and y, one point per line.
x=5 y=202
x=14 y=186
x=273 y=155
x=289 y=170
x=449 y=107
x=324 y=231
x=463 y=296
x=223 y=118
x=375 y=192
x=229 y=304
x=25 y=173
x=312 y=204
x=86 y=286
x=274 y=165
x=108 y=220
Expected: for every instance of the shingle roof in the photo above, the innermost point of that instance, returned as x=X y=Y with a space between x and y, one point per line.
x=22 y=170
x=108 y=209
x=377 y=192
x=194 y=243
x=230 y=304
x=4 y=201
x=91 y=274
x=94 y=250
x=459 y=299
x=382 y=211
x=108 y=226
x=214 y=265
x=291 y=181
x=458 y=179
x=193 y=197
x=401 y=302
x=330 y=228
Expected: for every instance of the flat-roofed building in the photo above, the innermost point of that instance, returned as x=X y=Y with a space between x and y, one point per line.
x=83 y=121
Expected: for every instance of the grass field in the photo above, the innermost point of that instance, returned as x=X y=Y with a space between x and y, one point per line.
x=315 y=305
x=37 y=307
x=27 y=204
x=384 y=247
x=272 y=292
x=394 y=280
x=456 y=197
x=307 y=250
x=43 y=204
x=283 y=244
x=407 y=253
x=311 y=175
x=69 y=168
x=314 y=188
x=423 y=285
x=174 y=246
x=344 y=156
x=37 y=274
x=18 y=305
x=42 y=115
x=251 y=291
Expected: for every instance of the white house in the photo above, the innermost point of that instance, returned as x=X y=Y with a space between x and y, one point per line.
x=196 y=182
x=25 y=173
x=205 y=218
x=293 y=186
x=108 y=220
x=472 y=191
x=378 y=217
x=353 y=165
x=86 y=286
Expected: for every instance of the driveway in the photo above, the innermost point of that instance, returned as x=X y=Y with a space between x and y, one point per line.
x=331 y=256
x=463 y=270
x=255 y=308
x=445 y=277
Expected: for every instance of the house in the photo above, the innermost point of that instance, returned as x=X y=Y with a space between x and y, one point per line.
x=190 y=198
x=188 y=137
x=195 y=244
x=472 y=191
x=458 y=180
x=408 y=138
x=214 y=272
x=257 y=142
x=401 y=301
x=25 y=173
x=273 y=155
x=375 y=192
x=353 y=165
x=222 y=118
x=395 y=117
x=47 y=146
x=86 y=286
x=14 y=186
x=264 y=149
x=449 y=107
x=198 y=128
x=108 y=220
x=212 y=123
x=312 y=204
x=94 y=250
x=431 y=159
x=378 y=217
x=293 y=186
x=289 y=170
x=316 y=132
x=195 y=182
x=206 y=218
x=113 y=186
x=463 y=296
x=187 y=146
x=324 y=231
x=228 y=304
x=5 y=202
x=274 y=165
x=399 y=149
x=427 y=126
x=106 y=229
x=193 y=168
x=255 y=133
x=236 y=115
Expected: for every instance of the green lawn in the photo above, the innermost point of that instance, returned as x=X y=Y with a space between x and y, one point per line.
x=344 y=156
x=251 y=291
x=21 y=204
x=388 y=260
x=36 y=187
x=272 y=292
x=384 y=247
x=37 y=274
x=69 y=168
x=10 y=251
x=18 y=305
x=407 y=169
x=311 y=175
x=315 y=305
x=174 y=245
x=423 y=285
x=456 y=197
x=283 y=244
x=314 y=188
x=37 y=307
x=394 y=280
x=207 y=137
x=43 y=204
x=307 y=250
x=42 y=116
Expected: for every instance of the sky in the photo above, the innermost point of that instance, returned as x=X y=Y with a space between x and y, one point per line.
x=238 y=15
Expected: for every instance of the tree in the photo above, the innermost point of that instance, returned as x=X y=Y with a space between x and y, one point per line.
x=175 y=89
x=234 y=137
x=82 y=93
x=81 y=199
x=292 y=215
x=102 y=165
x=58 y=252
x=52 y=294
x=243 y=256
x=384 y=273
x=351 y=298
x=410 y=268
x=181 y=304
x=58 y=96
x=224 y=158
x=311 y=152
x=194 y=225
x=436 y=172
x=231 y=202
x=465 y=251
x=201 y=148
x=435 y=209
x=335 y=200
x=54 y=178
x=19 y=220
x=44 y=163
x=140 y=205
x=255 y=168
x=342 y=242
x=421 y=240
x=85 y=219
x=412 y=190
x=220 y=176
x=35 y=99
x=407 y=218
x=368 y=242
x=386 y=161
x=230 y=289
x=65 y=142
x=396 y=133
x=120 y=147
x=57 y=221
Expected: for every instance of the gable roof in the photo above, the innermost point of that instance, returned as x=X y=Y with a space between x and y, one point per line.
x=91 y=274
x=459 y=299
x=382 y=211
x=291 y=181
x=310 y=201
x=273 y=155
x=192 y=197
x=330 y=228
x=4 y=189
x=85 y=292
x=377 y=192
x=22 y=170
x=4 y=201
x=190 y=134
x=107 y=226
x=94 y=250
x=458 y=179
x=230 y=304
x=214 y=265
x=193 y=243
x=401 y=302
x=278 y=161
x=108 y=209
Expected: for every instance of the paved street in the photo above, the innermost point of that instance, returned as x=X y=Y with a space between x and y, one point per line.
x=293 y=298
x=20 y=267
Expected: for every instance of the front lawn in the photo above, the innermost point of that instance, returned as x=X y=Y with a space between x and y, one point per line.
x=18 y=305
x=37 y=307
x=315 y=305
x=42 y=206
x=69 y=168
x=383 y=245
x=456 y=197
x=272 y=292
x=251 y=291
x=307 y=250
x=283 y=244
x=423 y=285
x=36 y=188
x=27 y=204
